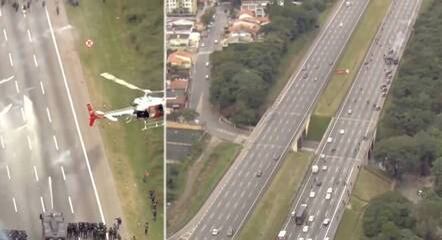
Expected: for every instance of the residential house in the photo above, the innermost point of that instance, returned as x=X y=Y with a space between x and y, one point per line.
x=179 y=87
x=181 y=7
x=180 y=59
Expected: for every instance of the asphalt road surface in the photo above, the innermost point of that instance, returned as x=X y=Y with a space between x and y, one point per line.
x=357 y=118
x=237 y=193
x=199 y=94
x=39 y=135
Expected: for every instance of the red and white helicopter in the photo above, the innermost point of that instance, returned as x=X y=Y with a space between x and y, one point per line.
x=148 y=108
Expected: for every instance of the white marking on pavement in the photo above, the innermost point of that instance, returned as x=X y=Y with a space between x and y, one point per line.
x=42 y=88
x=62 y=173
x=50 y=193
x=15 y=204
x=55 y=142
x=29 y=143
x=35 y=60
x=49 y=115
x=5 y=34
x=97 y=197
x=35 y=173
x=29 y=35
x=16 y=87
x=8 y=172
x=6 y=79
x=70 y=204
x=42 y=204
x=10 y=60
x=22 y=111
x=2 y=142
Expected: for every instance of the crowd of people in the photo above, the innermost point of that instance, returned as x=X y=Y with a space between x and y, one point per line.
x=96 y=231
x=13 y=235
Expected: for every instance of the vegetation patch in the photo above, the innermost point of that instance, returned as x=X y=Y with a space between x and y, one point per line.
x=120 y=30
x=352 y=58
x=317 y=127
x=205 y=174
x=271 y=211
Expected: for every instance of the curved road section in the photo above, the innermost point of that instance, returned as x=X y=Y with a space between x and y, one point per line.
x=234 y=198
x=353 y=130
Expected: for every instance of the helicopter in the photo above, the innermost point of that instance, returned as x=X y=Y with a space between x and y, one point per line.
x=148 y=108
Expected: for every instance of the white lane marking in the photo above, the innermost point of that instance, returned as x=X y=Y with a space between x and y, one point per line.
x=35 y=173
x=35 y=60
x=49 y=115
x=22 y=111
x=8 y=172
x=42 y=88
x=6 y=79
x=55 y=142
x=29 y=142
x=97 y=197
x=42 y=204
x=16 y=87
x=29 y=35
x=5 y=34
x=2 y=142
x=62 y=173
x=10 y=60
x=70 y=204
x=15 y=204
x=51 y=193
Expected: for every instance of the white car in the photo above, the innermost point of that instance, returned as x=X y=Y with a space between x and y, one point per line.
x=293 y=214
x=349 y=111
x=215 y=231
x=305 y=228
x=342 y=131
x=341 y=24
x=312 y=194
x=348 y=3
x=326 y=221
x=324 y=168
x=311 y=218
x=207 y=76
x=330 y=139
x=322 y=156
x=216 y=41
x=328 y=196
x=329 y=190
x=202 y=45
x=207 y=64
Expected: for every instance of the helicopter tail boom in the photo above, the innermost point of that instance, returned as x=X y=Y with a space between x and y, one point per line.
x=93 y=116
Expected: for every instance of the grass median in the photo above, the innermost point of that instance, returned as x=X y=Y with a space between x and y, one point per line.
x=272 y=209
x=351 y=59
x=207 y=173
x=130 y=151
x=370 y=183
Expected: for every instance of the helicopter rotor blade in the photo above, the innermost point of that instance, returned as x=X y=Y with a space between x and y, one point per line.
x=111 y=77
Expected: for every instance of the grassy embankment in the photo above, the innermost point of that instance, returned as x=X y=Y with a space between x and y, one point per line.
x=351 y=58
x=271 y=211
x=209 y=172
x=117 y=50
x=370 y=183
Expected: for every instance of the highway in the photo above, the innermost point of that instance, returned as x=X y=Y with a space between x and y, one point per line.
x=232 y=201
x=199 y=93
x=353 y=130
x=45 y=161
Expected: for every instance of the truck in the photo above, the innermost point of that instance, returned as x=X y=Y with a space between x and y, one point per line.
x=282 y=235
x=300 y=215
x=315 y=168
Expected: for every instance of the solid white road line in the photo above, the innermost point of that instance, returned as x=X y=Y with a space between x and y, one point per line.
x=29 y=143
x=16 y=87
x=42 y=204
x=5 y=34
x=22 y=111
x=51 y=193
x=35 y=60
x=97 y=197
x=29 y=35
x=8 y=172
x=49 y=115
x=35 y=173
x=62 y=173
x=2 y=142
x=70 y=204
x=15 y=204
x=55 y=142
x=10 y=60
x=42 y=88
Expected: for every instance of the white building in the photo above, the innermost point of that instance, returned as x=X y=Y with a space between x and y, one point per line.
x=181 y=7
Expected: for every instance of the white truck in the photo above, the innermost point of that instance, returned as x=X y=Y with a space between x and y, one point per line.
x=282 y=235
x=315 y=168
